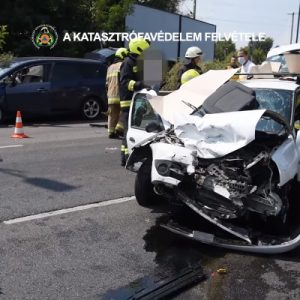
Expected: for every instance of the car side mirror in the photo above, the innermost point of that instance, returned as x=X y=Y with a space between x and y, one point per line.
x=153 y=127
x=298 y=139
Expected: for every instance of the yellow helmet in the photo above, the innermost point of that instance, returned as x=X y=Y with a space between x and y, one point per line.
x=121 y=53
x=188 y=75
x=137 y=46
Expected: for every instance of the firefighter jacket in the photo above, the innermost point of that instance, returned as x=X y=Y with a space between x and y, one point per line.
x=112 y=82
x=129 y=80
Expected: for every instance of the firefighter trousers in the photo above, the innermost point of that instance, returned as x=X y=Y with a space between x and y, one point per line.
x=113 y=118
x=124 y=148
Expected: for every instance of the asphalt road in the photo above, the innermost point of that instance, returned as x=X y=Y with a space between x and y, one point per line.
x=113 y=248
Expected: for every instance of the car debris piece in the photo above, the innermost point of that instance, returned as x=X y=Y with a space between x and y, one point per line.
x=172 y=284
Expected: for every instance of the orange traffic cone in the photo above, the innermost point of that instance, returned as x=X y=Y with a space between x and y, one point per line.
x=19 y=133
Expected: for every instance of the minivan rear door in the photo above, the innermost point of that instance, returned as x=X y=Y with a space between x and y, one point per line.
x=67 y=86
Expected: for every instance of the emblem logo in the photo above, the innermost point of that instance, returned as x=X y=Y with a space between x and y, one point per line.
x=44 y=36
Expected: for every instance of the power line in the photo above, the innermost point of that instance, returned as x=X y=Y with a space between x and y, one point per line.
x=240 y=21
x=298 y=24
x=292 y=26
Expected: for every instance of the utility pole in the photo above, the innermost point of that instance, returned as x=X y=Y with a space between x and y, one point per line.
x=298 y=24
x=292 y=26
x=194 y=9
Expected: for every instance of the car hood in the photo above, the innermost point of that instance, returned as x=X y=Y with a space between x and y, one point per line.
x=216 y=135
x=194 y=92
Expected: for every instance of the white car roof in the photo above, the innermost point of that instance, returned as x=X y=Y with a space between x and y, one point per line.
x=282 y=49
x=271 y=84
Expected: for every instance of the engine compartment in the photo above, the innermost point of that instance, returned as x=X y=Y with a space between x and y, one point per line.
x=229 y=187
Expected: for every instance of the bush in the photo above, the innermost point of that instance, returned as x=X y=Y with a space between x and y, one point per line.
x=3 y=34
x=5 y=59
x=172 y=78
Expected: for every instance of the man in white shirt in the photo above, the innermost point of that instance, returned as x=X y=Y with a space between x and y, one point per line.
x=245 y=62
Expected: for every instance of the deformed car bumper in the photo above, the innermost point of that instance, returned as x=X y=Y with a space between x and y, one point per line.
x=211 y=239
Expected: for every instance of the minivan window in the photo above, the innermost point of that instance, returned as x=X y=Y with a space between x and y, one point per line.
x=91 y=71
x=66 y=71
x=31 y=74
x=76 y=71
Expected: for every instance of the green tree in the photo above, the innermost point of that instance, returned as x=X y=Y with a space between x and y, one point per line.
x=265 y=45
x=223 y=48
x=258 y=50
x=109 y=15
x=170 y=6
x=3 y=34
x=63 y=14
x=258 y=56
x=5 y=58
x=22 y=16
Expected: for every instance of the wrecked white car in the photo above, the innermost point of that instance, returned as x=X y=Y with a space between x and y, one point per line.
x=234 y=161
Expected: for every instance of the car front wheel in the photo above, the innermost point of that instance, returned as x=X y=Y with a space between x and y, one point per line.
x=91 y=109
x=143 y=188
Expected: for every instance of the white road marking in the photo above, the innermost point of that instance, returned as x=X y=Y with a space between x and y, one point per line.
x=68 y=210
x=112 y=149
x=11 y=146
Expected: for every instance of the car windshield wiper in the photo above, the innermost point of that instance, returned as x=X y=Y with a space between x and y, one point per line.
x=189 y=105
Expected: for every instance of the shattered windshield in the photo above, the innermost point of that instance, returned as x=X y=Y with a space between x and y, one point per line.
x=279 y=101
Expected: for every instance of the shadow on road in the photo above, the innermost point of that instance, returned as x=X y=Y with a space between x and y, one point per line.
x=174 y=254
x=45 y=183
x=53 y=121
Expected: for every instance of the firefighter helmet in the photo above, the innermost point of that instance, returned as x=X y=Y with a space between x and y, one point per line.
x=138 y=45
x=121 y=53
x=193 y=52
x=188 y=75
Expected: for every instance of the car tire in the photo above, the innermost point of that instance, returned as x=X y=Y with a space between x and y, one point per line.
x=143 y=188
x=2 y=116
x=91 y=108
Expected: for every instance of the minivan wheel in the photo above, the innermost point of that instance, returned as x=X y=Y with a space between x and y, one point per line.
x=90 y=108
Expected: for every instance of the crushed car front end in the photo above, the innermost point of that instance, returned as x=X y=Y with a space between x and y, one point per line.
x=235 y=169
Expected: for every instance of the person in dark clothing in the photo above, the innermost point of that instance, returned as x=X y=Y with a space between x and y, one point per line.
x=191 y=69
x=129 y=83
x=233 y=63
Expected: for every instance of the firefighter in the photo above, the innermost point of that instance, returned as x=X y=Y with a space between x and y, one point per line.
x=191 y=69
x=115 y=127
x=128 y=84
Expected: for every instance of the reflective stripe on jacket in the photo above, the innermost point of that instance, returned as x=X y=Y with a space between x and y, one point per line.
x=112 y=83
x=128 y=80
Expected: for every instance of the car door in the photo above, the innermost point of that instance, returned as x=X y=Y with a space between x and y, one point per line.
x=140 y=115
x=28 y=89
x=296 y=124
x=67 y=86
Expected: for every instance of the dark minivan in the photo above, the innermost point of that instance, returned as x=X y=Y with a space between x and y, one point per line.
x=45 y=85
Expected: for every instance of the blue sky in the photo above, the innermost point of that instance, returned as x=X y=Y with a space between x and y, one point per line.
x=268 y=16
